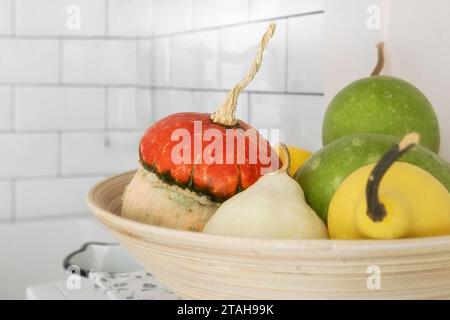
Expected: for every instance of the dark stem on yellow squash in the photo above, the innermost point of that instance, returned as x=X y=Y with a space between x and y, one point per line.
x=226 y=115
x=375 y=209
x=380 y=62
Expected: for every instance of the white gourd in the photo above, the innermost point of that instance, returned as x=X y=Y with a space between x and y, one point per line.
x=273 y=207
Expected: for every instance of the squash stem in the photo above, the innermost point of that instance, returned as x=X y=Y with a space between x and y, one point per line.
x=375 y=209
x=226 y=114
x=380 y=62
x=287 y=163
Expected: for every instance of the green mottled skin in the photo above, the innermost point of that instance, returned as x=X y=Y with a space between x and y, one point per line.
x=321 y=175
x=384 y=105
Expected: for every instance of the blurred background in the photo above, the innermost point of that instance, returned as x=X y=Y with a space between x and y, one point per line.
x=81 y=79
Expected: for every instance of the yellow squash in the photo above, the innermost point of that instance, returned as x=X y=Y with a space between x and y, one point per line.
x=390 y=200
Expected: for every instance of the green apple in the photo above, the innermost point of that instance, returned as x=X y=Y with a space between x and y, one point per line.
x=384 y=105
x=321 y=174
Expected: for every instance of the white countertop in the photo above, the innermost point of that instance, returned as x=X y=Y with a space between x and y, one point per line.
x=59 y=291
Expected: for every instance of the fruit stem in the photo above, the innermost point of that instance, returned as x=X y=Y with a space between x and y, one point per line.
x=226 y=114
x=287 y=163
x=380 y=62
x=375 y=209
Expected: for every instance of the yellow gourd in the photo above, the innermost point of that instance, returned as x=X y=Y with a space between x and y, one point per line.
x=390 y=200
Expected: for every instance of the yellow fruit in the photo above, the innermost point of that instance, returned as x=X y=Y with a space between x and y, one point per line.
x=410 y=203
x=298 y=157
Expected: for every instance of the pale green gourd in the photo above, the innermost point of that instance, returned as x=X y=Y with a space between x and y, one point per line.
x=273 y=207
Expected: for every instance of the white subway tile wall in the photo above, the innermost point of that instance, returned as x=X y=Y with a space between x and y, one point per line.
x=28 y=154
x=238 y=49
x=165 y=102
x=160 y=57
x=60 y=17
x=263 y=9
x=59 y=108
x=210 y=101
x=297 y=117
x=129 y=18
x=29 y=61
x=93 y=153
x=143 y=62
x=171 y=16
x=212 y=13
x=81 y=79
x=67 y=196
x=304 y=52
x=99 y=61
x=195 y=59
x=5 y=16
x=129 y=108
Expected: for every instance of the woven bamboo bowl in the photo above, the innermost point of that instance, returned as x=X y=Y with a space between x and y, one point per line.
x=201 y=266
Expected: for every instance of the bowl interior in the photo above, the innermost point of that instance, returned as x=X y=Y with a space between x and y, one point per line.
x=105 y=200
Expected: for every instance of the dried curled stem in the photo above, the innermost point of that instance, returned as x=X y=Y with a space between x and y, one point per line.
x=226 y=114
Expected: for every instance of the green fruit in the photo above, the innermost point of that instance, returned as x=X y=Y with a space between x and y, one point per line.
x=381 y=104
x=321 y=174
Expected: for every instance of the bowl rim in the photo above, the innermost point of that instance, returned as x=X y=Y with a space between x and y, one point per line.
x=223 y=241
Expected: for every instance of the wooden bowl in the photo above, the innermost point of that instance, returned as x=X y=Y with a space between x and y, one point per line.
x=202 y=266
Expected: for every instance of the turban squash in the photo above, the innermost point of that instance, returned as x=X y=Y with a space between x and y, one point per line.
x=184 y=179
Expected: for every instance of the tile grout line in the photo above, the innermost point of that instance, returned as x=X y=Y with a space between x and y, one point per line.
x=151 y=87
x=59 y=154
x=54 y=217
x=191 y=14
x=194 y=89
x=71 y=37
x=232 y=25
x=106 y=131
x=106 y=26
x=13 y=17
x=106 y=107
x=61 y=63
x=249 y=109
x=153 y=36
x=286 y=56
x=56 y=177
x=13 y=200
x=169 y=75
x=13 y=108
x=67 y=84
x=219 y=57
x=55 y=131
x=136 y=62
